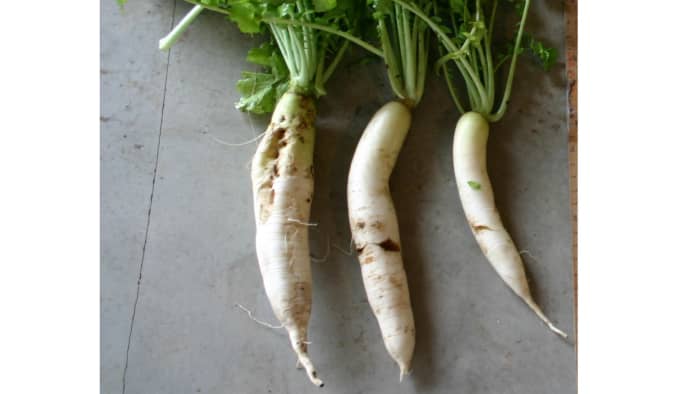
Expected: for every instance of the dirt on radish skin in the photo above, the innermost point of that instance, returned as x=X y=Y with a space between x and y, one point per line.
x=476 y=195
x=282 y=175
x=375 y=230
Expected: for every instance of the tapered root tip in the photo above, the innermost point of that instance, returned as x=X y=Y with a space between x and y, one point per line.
x=544 y=318
x=312 y=376
x=310 y=370
x=403 y=372
x=558 y=331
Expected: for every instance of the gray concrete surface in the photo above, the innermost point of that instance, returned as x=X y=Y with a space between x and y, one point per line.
x=132 y=78
x=181 y=238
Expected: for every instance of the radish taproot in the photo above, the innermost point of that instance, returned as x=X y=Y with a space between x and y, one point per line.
x=298 y=62
x=373 y=222
x=468 y=43
x=375 y=230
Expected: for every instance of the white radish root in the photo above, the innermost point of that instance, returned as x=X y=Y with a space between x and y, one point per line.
x=282 y=175
x=375 y=230
x=476 y=194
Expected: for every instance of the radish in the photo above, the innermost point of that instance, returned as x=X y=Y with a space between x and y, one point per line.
x=469 y=48
x=375 y=230
x=282 y=175
x=373 y=222
x=299 y=61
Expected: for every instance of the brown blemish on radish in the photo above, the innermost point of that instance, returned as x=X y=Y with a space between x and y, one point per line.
x=279 y=133
x=396 y=282
x=480 y=227
x=378 y=225
x=390 y=245
x=367 y=259
x=361 y=225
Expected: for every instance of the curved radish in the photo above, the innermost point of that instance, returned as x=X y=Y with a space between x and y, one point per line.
x=375 y=229
x=476 y=194
x=282 y=175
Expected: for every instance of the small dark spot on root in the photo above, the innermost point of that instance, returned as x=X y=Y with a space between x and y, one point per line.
x=480 y=227
x=275 y=170
x=308 y=200
x=360 y=249
x=390 y=245
x=367 y=259
x=361 y=224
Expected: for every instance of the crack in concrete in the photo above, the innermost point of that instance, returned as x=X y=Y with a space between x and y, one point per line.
x=150 y=206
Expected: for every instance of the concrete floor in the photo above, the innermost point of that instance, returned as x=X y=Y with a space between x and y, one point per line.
x=178 y=240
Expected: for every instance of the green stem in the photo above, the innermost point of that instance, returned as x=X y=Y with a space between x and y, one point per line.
x=336 y=60
x=401 y=40
x=308 y=37
x=493 y=16
x=391 y=61
x=297 y=49
x=166 y=42
x=423 y=62
x=409 y=36
x=453 y=94
x=511 y=72
x=283 y=45
x=370 y=48
x=319 y=78
x=491 y=92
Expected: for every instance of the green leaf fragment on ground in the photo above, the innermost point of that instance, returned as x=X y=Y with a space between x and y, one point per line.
x=474 y=185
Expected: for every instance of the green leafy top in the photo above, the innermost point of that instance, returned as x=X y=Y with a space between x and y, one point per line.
x=300 y=56
x=465 y=34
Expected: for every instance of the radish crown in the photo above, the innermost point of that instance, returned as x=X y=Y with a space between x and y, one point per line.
x=465 y=33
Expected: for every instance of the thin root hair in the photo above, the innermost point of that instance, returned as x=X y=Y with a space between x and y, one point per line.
x=250 y=141
x=347 y=252
x=301 y=222
x=325 y=256
x=253 y=318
